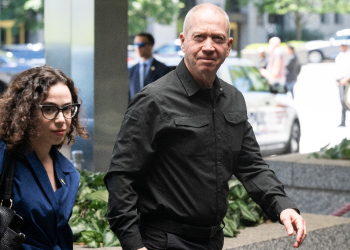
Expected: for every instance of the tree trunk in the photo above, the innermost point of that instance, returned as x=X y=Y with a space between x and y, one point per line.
x=298 y=17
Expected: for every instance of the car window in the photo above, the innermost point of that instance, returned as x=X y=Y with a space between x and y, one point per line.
x=341 y=37
x=239 y=79
x=258 y=82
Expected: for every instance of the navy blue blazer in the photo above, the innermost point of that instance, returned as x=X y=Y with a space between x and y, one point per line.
x=156 y=71
x=46 y=213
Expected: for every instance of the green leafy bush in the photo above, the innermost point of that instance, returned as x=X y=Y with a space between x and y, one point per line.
x=242 y=210
x=90 y=225
x=89 y=222
x=340 y=151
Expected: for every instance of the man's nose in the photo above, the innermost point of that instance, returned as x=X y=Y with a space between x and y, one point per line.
x=208 y=45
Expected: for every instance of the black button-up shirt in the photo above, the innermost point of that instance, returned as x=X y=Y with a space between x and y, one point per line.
x=176 y=150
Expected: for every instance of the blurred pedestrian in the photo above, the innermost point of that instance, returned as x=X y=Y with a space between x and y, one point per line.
x=39 y=112
x=274 y=72
x=148 y=69
x=184 y=136
x=292 y=68
x=342 y=62
x=262 y=58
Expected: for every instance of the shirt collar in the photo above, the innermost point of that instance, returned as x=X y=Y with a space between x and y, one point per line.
x=149 y=61
x=188 y=81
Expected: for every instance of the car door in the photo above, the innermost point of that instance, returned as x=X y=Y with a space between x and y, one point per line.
x=272 y=121
x=233 y=73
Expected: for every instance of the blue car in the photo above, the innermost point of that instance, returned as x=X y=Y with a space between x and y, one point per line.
x=10 y=67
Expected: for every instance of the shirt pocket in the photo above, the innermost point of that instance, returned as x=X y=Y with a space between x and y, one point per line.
x=234 y=129
x=191 y=136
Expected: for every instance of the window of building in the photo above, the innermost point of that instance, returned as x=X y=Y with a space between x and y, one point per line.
x=232 y=6
x=338 y=19
x=324 y=18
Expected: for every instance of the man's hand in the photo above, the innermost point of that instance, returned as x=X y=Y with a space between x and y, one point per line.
x=142 y=248
x=294 y=222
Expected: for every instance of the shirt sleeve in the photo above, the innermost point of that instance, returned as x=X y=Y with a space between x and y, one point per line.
x=261 y=182
x=131 y=155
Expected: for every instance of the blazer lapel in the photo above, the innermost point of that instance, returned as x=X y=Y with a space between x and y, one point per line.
x=151 y=73
x=43 y=179
x=136 y=79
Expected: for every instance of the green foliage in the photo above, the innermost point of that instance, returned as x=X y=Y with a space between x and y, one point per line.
x=242 y=211
x=89 y=222
x=282 y=7
x=24 y=11
x=300 y=9
x=340 y=151
x=162 y=11
x=90 y=225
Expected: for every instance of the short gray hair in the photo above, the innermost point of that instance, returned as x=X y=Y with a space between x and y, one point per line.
x=202 y=7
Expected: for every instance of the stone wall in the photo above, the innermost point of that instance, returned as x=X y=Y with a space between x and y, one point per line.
x=318 y=186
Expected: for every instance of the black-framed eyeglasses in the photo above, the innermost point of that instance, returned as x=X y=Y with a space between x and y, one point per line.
x=139 y=45
x=50 y=112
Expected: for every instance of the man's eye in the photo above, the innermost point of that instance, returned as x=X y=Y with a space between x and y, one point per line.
x=218 y=39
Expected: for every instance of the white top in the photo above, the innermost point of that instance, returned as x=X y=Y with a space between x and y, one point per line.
x=342 y=62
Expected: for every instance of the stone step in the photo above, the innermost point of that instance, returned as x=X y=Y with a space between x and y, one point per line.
x=324 y=232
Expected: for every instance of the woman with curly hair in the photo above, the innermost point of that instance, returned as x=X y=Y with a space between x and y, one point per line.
x=39 y=112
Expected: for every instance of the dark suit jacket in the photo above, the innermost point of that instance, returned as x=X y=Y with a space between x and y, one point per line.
x=156 y=71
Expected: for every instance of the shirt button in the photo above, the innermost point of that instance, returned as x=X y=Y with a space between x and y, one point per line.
x=218 y=136
x=220 y=89
x=218 y=163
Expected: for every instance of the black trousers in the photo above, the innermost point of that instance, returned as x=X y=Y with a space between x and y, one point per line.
x=157 y=239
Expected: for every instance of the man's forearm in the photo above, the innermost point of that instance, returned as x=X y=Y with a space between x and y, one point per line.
x=122 y=215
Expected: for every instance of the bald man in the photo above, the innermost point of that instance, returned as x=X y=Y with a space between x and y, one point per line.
x=274 y=72
x=181 y=140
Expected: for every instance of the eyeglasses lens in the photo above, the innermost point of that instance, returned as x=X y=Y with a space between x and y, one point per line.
x=50 y=112
x=139 y=45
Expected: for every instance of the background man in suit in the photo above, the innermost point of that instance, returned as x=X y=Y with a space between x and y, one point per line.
x=148 y=69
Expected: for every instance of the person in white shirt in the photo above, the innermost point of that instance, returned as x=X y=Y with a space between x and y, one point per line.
x=342 y=62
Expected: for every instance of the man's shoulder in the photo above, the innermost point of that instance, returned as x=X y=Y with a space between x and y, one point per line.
x=133 y=67
x=159 y=64
x=166 y=83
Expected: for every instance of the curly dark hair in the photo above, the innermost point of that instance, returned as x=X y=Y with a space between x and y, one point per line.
x=20 y=102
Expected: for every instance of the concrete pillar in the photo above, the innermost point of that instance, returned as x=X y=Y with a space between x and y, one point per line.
x=87 y=39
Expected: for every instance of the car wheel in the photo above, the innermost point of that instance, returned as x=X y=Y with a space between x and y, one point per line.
x=315 y=56
x=293 y=144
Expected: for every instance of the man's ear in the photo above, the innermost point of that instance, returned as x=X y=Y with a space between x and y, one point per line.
x=182 y=39
x=230 y=41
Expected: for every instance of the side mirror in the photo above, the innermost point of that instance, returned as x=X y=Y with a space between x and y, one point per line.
x=277 y=88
